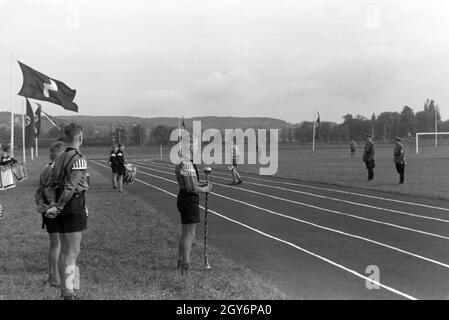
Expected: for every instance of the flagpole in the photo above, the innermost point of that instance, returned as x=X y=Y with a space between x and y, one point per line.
x=23 y=131
x=314 y=128
x=37 y=146
x=12 y=103
x=179 y=135
x=436 y=128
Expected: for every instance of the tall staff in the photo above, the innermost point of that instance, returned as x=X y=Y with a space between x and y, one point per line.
x=23 y=131
x=316 y=123
x=436 y=127
x=207 y=171
x=12 y=104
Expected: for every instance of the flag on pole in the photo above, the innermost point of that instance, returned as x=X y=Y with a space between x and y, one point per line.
x=317 y=126
x=183 y=125
x=29 y=126
x=50 y=119
x=37 y=119
x=41 y=87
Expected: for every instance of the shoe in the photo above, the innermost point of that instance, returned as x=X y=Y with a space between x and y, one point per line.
x=179 y=264
x=240 y=181
x=114 y=187
x=72 y=297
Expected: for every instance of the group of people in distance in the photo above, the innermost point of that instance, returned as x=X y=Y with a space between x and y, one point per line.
x=117 y=163
x=368 y=157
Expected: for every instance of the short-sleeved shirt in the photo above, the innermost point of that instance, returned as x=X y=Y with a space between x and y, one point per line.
x=187 y=176
x=68 y=177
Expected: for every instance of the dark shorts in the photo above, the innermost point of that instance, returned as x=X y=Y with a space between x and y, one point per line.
x=74 y=216
x=49 y=225
x=189 y=208
x=121 y=170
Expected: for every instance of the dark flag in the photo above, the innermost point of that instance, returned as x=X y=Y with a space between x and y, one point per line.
x=41 y=87
x=50 y=119
x=183 y=125
x=30 y=131
x=317 y=126
x=37 y=119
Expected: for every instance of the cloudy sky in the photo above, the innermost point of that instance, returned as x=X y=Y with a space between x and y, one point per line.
x=274 y=58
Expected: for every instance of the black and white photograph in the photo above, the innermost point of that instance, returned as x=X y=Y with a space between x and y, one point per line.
x=224 y=155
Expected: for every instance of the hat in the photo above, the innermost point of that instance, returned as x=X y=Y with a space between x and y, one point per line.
x=368 y=136
x=397 y=139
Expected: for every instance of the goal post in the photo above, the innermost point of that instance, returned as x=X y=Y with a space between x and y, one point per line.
x=435 y=134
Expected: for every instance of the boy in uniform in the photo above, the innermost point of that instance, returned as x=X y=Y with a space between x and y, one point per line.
x=67 y=187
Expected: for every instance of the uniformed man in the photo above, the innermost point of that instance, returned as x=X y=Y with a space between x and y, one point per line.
x=399 y=159
x=188 y=205
x=66 y=189
x=368 y=156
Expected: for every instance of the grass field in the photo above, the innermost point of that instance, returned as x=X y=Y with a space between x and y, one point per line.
x=128 y=252
x=427 y=174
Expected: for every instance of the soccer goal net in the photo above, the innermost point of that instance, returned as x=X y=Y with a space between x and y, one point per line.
x=431 y=139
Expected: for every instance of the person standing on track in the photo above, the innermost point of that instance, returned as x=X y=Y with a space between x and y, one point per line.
x=352 y=146
x=67 y=186
x=235 y=156
x=114 y=164
x=121 y=170
x=368 y=157
x=188 y=205
x=399 y=159
x=42 y=203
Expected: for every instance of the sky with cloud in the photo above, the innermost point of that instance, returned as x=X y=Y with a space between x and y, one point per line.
x=281 y=59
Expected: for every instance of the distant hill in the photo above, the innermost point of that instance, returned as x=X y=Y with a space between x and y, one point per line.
x=103 y=123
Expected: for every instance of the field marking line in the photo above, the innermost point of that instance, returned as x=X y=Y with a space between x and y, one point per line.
x=318 y=208
x=335 y=264
x=318 y=226
x=337 y=200
x=345 y=192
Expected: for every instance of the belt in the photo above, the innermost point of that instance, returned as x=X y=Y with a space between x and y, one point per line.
x=76 y=195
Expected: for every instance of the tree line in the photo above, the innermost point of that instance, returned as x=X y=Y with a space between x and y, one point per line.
x=384 y=126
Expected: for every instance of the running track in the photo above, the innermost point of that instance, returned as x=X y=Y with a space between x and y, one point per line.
x=315 y=241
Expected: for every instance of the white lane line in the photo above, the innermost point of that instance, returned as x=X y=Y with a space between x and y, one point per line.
x=318 y=226
x=333 y=199
x=344 y=192
x=353 y=272
x=317 y=208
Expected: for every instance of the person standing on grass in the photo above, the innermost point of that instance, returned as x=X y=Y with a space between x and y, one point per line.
x=352 y=146
x=66 y=189
x=368 y=156
x=235 y=153
x=114 y=164
x=399 y=159
x=120 y=158
x=42 y=203
x=188 y=205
